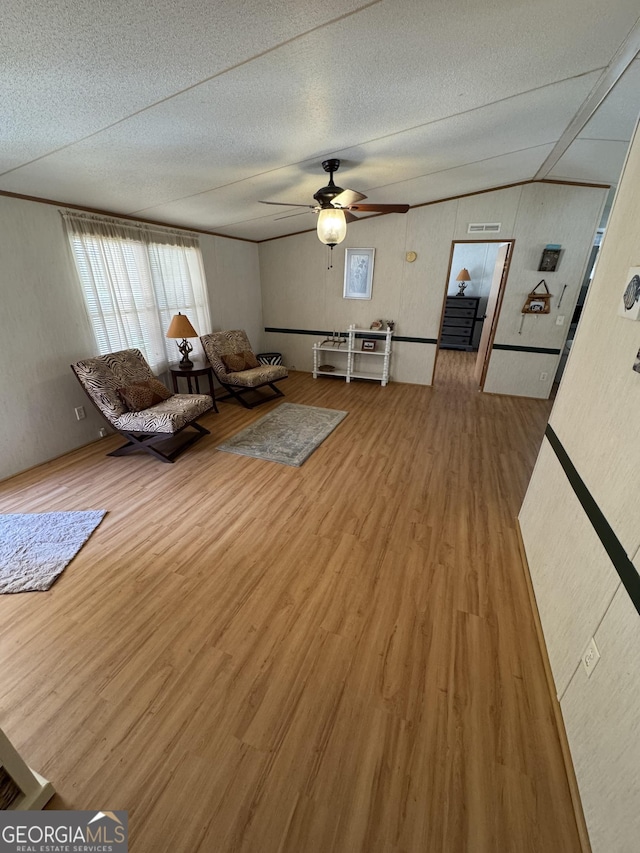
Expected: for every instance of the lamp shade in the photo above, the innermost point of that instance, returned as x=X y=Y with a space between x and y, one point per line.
x=463 y=275
x=180 y=327
x=332 y=226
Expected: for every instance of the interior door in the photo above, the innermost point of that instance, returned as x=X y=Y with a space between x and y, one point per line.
x=493 y=311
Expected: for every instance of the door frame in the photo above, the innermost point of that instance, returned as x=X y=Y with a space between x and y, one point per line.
x=496 y=314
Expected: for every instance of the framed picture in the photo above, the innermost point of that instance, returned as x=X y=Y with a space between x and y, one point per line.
x=369 y=346
x=550 y=259
x=358 y=273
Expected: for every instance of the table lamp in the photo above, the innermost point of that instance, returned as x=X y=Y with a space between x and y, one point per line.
x=180 y=327
x=463 y=277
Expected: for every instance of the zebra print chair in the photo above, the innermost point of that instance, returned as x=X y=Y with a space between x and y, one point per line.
x=137 y=405
x=238 y=370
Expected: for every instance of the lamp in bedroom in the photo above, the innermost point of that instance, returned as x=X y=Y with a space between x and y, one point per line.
x=462 y=278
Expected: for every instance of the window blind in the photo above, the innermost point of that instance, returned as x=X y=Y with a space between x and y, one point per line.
x=134 y=280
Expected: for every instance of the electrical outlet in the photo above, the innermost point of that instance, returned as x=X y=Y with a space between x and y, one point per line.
x=102 y=432
x=80 y=414
x=590 y=657
x=543 y=376
x=560 y=320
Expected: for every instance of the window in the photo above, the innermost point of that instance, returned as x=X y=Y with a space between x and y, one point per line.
x=134 y=280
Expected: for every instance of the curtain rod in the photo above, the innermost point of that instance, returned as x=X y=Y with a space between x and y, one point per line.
x=141 y=226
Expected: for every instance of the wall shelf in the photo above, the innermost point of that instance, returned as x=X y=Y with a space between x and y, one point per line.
x=352 y=361
x=25 y=789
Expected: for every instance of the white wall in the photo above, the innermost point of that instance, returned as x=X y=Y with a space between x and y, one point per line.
x=548 y=213
x=233 y=279
x=44 y=328
x=300 y=293
x=579 y=591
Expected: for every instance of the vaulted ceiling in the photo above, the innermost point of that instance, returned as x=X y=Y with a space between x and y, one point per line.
x=191 y=112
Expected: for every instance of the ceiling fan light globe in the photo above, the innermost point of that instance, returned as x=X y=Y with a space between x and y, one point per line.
x=332 y=226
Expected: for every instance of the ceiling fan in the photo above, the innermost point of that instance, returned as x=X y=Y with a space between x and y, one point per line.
x=336 y=206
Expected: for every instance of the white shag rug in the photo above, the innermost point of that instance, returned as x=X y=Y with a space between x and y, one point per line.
x=36 y=547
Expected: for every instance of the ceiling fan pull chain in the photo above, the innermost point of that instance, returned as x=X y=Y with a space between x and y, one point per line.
x=329 y=257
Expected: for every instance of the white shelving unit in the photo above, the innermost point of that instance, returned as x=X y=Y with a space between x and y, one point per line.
x=32 y=791
x=352 y=361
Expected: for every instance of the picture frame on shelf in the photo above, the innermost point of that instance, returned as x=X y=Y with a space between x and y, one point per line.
x=358 y=273
x=369 y=345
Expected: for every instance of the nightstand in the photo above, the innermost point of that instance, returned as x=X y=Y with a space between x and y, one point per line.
x=200 y=368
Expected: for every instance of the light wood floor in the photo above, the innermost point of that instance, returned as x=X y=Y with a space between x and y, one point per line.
x=340 y=657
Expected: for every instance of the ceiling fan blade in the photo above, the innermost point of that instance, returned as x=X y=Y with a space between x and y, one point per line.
x=349 y=216
x=286 y=204
x=346 y=197
x=380 y=208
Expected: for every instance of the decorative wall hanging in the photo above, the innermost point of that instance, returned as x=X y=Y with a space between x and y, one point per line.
x=358 y=273
x=550 y=258
x=562 y=294
x=538 y=303
x=380 y=325
x=629 y=306
x=337 y=339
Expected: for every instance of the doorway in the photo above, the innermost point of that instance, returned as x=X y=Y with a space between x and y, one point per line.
x=582 y=295
x=476 y=280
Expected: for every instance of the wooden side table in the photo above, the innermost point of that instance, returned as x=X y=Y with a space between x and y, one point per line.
x=200 y=368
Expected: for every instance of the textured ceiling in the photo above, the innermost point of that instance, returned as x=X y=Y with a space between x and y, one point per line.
x=190 y=112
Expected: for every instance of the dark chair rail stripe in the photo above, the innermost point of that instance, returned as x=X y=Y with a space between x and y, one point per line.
x=514 y=348
x=612 y=545
x=362 y=334
x=297 y=331
x=407 y=339
x=415 y=340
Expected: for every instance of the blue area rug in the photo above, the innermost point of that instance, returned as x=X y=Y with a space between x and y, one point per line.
x=35 y=548
x=289 y=434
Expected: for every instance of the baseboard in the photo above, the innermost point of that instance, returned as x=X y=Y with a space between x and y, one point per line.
x=574 y=791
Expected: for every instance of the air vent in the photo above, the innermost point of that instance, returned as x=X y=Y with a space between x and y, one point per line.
x=484 y=227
